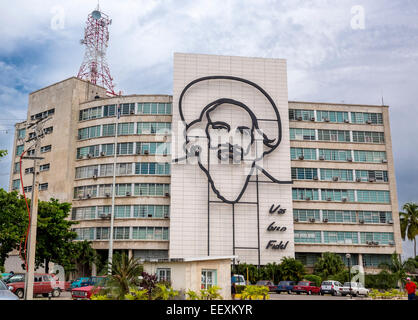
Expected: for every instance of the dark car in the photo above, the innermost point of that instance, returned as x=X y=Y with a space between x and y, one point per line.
x=5 y=293
x=285 y=286
x=266 y=283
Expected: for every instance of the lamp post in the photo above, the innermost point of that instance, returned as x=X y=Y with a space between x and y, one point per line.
x=348 y=256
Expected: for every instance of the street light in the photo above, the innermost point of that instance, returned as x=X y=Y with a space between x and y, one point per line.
x=348 y=256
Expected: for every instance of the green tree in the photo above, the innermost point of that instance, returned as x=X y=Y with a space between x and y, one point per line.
x=329 y=264
x=54 y=239
x=398 y=268
x=409 y=223
x=271 y=271
x=3 y=153
x=314 y=278
x=291 y=269
x=13 y=223
x=163 y=292
x=84 y=256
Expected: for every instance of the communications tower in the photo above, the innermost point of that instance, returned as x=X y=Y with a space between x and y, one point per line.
x=96 y=39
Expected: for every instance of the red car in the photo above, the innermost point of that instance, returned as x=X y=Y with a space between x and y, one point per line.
x=44 y=284
x=85 y=293
x=267 y=283
x=307 y=287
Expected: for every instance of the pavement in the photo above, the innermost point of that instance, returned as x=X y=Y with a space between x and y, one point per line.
x=286 y=296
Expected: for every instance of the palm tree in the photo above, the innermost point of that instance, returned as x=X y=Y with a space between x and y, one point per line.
x=84 y=255
x=125 y=275
x=329 y=264
x=398 y=268
x=291 y=269
x=409 y=223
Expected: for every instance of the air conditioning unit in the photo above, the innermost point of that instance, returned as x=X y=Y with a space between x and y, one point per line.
x=128 y=194
x=321 y=158
x=301 y=157
x=372 y=179
x=313 y=119
x=296 y=220
x=146 y=152
x=80 y=197
x=358 y=179
x=165 y=154
x=132 y=112
x=89 y=155
x=88 y=196
x=325 y=220
x=166 y=216
x=308 y=199
x=312 y=220
x=347 y=121
x=384 y=161
x=107 y=195
x=391 y=243
x=102 y=153
x=326 y=119
x=376 y=243
x=361 y=221
x=329 y=199
x=94 y=176
x=167 y=194
x=335 y=178
x=369 y=122
x=299 y=118
x=349 y=159
x=344 y=199
x=390 y=222
x=104 y=215
x=315 y=178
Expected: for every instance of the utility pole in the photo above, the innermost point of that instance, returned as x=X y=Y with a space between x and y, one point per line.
x=33 y=223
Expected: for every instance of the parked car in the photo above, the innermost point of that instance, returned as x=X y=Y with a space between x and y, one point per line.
x=44 y=284
x=5 y=293
x=356 y=289
x=238 y=279
x=307 y=287
x=331 y=286
x=6 y=276
x=267 y=283
x=285 y=286
x=80 y=282
x=96 y=283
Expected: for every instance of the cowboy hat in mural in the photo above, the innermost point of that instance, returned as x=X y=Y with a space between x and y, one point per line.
x=230 y=134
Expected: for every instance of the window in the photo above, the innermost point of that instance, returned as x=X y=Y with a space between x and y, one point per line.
x=304 y=215
x=335 y=155
x=127 y=108
x=16 y=184
x=152 y=168
x=302 y=134
x=126 y=128
x=308 y=259
x=307 y=154
x=42 y=115
x=340 y=237
x=105 y=190
x=123 y=169
x=305 y=115
x=84 y=213
x=337 y=195
x=375 y=260
x=339 y=216
x=334 y=135
x=109 y=111
x=27 y=189
x=332 y=174
x=86 y=152
x=151 y=189
x=108 y=149
x=305 y=194
x=21 y=133
x=153 y=148
x=48 y=130
x=150 y=233
x=154 y=128
x=332 y=116
x=85 y=192
x=375 y=216
x=122 y=189
x=91 y=113
x=43 y=186
x=121 y=233
x=154 y=108
x=29 y=170
x=368 y=137
x=88 y=133
x=102 y=233
x=163 y=274
x=46 y=149
x=372 y=196
x=125 y=148
x=384 y=238
x=122 y=211
x=307 y=236
x=369 y=156
x=209 y=279
x=44 y=167
x=363 y=117
x=372 y=175
x=304 y=173
x=16 y=167
x=86 y=172
x=108 y=130
x=151 y=211
x=106 y=170
x=84 y=233
x=19 y=149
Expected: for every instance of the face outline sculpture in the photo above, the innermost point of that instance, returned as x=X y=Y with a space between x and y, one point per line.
x=245 y=132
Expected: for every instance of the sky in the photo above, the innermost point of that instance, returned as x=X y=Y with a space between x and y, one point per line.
x=336 y=50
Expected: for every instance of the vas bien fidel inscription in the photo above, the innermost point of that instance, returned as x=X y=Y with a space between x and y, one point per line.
x=273 y=244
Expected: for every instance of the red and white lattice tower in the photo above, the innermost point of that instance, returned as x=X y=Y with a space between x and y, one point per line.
x=96 y=39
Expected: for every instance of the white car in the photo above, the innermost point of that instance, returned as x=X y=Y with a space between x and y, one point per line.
x=357 y=289
x=331 y=286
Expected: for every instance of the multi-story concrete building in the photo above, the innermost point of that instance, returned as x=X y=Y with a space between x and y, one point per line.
x=340 y=197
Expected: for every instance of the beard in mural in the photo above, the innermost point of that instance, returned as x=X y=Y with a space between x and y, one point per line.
x=228 y=132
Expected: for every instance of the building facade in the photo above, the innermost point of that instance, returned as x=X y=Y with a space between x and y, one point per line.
x=322 y=180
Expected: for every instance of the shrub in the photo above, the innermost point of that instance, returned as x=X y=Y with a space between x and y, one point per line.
x=239 y=289
x=314 y=278
x=384 y=280
x=2 y=270
x=255 y=293
x=137 y=295
x=162 y=292
x=100 y=297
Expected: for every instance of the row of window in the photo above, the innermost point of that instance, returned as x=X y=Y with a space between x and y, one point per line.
x=28 y=189
x=135 y=211
x=106 y=170
x=337 y=135
x=337 y=155
x=125 y=148
x=336 y=116
x=42 y=115
x=342 y=216
x=344 y=195
x=155 y=108
x=369 y=260
x=20 y=149
x=339 y=175
x=128 y=128
x=344 y=237
x=123 y=233
x=122 y=190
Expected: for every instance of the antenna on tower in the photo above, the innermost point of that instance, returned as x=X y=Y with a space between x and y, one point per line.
x=96 y=39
